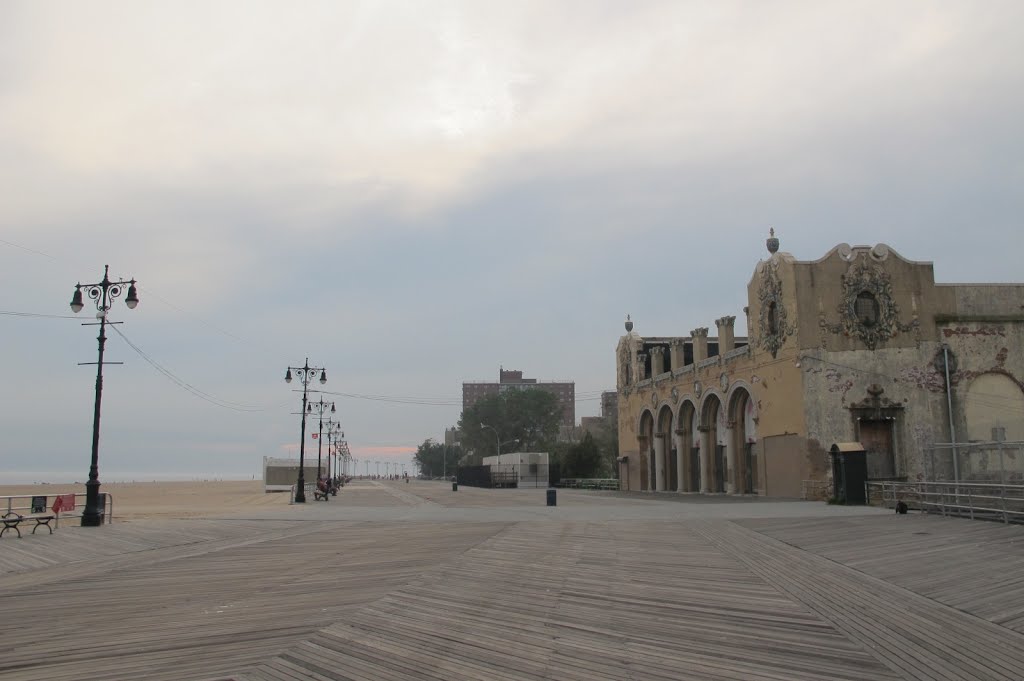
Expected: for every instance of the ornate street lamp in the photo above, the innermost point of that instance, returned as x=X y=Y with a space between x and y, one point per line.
x=320 y=408
x=332 y=431
x=103 y=294
x=306 y=374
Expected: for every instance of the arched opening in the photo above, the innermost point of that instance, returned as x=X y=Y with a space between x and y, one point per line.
x=664 y=452
x=744 y=438
x=714 y=422
x=645 y=448
x=994 y=409
x=688 y=444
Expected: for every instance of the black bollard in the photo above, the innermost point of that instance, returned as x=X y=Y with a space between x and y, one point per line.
x=551 y=497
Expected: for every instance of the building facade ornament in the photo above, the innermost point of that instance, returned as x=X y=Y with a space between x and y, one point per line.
x=773 y=326
x=723 y=382
x=697 y=388
x=867 y=310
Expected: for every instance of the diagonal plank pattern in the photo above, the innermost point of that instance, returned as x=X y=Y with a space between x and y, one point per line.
x=202 y=608
x=581 y=601
x=972 y=566
x=915 y=636
x=419 y=582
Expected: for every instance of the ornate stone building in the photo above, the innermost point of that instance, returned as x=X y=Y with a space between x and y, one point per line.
x=852 y=347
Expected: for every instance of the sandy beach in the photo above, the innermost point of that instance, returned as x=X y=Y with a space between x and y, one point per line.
x=186 y=499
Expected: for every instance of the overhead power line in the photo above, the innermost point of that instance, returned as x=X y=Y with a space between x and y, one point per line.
x=184 y=385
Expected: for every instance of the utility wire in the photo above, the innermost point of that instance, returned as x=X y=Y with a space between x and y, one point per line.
x=184 y=385
x=8 y=313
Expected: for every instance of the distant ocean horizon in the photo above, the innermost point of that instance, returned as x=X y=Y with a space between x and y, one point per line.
x=68 y=478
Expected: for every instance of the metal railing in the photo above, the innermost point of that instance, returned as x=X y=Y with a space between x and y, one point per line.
x=992 y=462
x=590 y=483
x=974 y=500
x=24 y=504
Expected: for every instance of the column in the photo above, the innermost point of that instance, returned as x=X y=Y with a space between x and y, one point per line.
x=643 y=462
x=659 y=462
x=706 y=480
x=677 y=353
x=726 y=334
x=681 y=473
x=700 y=344
x=657 y=361
x=730 y=461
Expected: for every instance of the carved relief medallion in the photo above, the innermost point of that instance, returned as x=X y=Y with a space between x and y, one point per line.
x=773 y=325
x=867 y=310
x=697 y=388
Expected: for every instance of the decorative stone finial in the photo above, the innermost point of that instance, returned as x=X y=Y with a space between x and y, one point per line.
x=772 y=242
x=629 y=324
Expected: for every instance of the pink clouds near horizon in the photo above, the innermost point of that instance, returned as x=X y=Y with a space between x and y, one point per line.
x=393 y=451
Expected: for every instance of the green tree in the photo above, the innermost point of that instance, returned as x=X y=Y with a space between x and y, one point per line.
x=517 y=420
x=583 y=459
x=435 y=459
x=608 y=442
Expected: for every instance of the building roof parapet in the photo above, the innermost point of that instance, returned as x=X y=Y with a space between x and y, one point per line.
x=741 y=351
x=709 y=362
x=688 y=369
x=661 y=378
x=646 y=383
x=531 y=381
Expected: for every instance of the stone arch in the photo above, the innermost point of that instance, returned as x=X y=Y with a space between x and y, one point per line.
x=645 y=448
x=687 y=434
x=664 y=478
x=713 y=427
x=994 y=408
x=742 y=440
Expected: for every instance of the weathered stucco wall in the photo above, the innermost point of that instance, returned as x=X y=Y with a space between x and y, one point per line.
x=845 y=348
x=987 y=361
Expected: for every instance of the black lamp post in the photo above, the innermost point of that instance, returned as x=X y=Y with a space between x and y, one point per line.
x=333 y=428
x=103 y=294
x=320 y=408
x=305 y=374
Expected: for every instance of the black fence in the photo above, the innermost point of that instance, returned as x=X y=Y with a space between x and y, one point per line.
x=510 y=475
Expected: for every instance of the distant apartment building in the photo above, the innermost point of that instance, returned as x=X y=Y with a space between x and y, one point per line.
x=610 y=404
x=474 y=391
x=598 y=425
x=452 y=437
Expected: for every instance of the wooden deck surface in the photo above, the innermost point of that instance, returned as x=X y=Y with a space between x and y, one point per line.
x=481 y=585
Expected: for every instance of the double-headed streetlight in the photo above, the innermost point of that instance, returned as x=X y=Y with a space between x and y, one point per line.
x=103 y=294
x=305 y=374
x=333 y=433
x=319 y=409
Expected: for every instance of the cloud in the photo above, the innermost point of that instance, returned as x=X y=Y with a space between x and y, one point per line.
x=413 y=193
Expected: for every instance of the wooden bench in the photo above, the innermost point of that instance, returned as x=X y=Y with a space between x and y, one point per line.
x=11 y=520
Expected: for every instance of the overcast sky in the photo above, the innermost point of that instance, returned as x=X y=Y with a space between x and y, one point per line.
x=413 y=194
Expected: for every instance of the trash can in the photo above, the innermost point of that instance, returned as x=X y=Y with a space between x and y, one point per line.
x=455 y=485
x=552 y=501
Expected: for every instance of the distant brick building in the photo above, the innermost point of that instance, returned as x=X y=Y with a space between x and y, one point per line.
x=474 y=391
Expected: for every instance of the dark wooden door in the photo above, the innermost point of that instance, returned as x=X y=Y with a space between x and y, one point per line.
x=876 y=436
